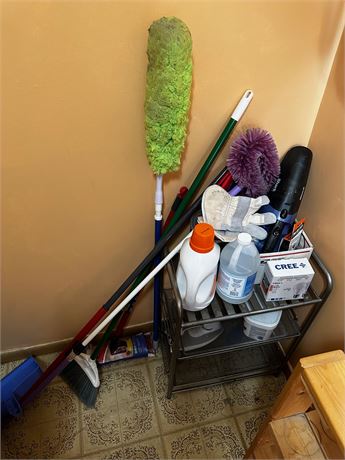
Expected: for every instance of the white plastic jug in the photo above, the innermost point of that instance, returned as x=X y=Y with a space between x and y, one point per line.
x=239 y=262
x=197 y=269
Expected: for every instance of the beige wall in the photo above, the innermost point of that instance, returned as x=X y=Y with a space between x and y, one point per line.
x=323 y=205
x=77 y=189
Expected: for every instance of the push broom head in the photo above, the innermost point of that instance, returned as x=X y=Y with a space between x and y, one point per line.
x=168 y=93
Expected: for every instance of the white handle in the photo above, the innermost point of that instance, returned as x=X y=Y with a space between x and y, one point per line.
x=134 y=292
x=242 y=105
x=191 y=289
x=234 y=258
x=159 y=198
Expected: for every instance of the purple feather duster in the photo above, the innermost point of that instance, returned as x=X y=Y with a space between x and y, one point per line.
x=254 y=162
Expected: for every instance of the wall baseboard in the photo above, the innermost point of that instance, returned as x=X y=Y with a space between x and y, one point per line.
x=15 y=354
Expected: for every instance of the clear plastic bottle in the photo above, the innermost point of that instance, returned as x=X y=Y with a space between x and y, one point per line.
x=239 y=262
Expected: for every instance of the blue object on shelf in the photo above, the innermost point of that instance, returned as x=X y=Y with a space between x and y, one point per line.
x=16 y=384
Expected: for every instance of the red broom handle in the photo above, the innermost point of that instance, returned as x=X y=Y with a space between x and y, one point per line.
x=176 y=204
x=225 y=181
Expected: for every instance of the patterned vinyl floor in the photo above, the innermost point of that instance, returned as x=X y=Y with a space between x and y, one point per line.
x=134 y=420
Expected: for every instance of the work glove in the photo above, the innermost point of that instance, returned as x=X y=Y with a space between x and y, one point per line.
x=231 y=215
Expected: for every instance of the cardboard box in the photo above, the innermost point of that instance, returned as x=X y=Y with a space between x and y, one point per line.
x=286 y=279
x=305 y=249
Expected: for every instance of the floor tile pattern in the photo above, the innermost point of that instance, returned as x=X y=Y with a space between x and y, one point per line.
x=133 y=419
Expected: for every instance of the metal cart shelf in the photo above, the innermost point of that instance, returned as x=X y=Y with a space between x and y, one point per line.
x=233 y=355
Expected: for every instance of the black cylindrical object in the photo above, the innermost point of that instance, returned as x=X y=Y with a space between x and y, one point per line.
x=286 y=195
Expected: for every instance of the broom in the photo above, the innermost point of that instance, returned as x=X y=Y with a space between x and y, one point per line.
x=64 y=358
x=85 y=384
x=81 y=371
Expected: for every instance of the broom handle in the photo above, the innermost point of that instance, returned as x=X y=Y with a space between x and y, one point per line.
x=118 y=322
x=187 y=197
x=235 y=117
x=80 y=347
x=175 y=205
x=55 y=367
x=135 y=291
x=224 y=181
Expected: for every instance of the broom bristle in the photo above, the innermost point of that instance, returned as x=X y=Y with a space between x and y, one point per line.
x=79 y=382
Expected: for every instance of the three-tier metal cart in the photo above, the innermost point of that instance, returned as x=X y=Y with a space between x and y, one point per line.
x=233 y=355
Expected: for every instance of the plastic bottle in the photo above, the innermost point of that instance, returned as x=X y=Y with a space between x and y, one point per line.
x=197 y=269
x=239 y=262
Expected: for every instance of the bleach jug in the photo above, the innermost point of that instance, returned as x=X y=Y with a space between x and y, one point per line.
x=239 y=262
x=197 y=269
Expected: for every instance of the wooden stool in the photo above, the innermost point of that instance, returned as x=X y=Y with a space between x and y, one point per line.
x=292 y=432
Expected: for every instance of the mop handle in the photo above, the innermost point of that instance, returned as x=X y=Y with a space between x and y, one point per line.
x=234 y=118
x=133 y=293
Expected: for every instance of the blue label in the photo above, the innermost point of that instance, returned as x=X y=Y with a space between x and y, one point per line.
x=249 y=284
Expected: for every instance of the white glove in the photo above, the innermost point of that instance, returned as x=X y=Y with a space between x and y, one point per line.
x=232 y=215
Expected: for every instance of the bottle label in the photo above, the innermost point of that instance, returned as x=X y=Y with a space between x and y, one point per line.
x=235 y=286
x=249 y=284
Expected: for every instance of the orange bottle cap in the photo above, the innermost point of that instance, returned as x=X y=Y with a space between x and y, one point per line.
x=202 y=239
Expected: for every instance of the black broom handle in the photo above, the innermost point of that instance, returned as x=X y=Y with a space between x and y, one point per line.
x=158 y=247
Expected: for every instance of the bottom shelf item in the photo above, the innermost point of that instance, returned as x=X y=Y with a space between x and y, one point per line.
x=197 y=337
x=233 y=336
x=233 y=365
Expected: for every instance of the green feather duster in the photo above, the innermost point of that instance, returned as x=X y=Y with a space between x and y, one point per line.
x=168 y=90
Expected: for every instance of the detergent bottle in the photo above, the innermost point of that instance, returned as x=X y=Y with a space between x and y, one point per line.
x=239 y=262
x=197 y=269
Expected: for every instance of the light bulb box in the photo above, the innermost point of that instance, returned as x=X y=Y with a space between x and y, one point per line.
x=303 y=250
x=286 y=279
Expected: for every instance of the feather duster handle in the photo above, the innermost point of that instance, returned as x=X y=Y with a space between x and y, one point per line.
x=159 y=197
x=254 y=162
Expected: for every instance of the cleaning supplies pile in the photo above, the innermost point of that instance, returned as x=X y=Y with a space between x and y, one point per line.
x=167 y=103
x=235 y=219
x=246 y=223
x=81 y=370
x=254 y=163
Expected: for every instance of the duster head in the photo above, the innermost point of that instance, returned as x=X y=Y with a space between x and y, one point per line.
x=168 y=91
x=254 y=162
